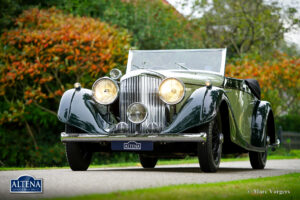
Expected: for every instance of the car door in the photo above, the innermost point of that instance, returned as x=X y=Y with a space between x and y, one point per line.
x=242 y=104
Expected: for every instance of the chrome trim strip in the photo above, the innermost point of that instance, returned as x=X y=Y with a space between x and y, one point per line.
x=177 y=50
x=170 y=137
x=142 y=72
x=142 y=89
x=222 y=71
x=128 y=68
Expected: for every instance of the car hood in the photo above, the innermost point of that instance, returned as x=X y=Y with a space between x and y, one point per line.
x=188 y=77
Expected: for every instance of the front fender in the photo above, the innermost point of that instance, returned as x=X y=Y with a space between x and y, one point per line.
x=64 y=105
x=200 y=108
x=77 y=108
x=261 y=115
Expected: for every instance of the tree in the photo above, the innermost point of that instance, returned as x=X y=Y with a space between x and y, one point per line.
x=243 y=26
x=152 y=24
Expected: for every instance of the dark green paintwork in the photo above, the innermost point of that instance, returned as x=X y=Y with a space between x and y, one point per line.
x=84 y=113
x=200 y=108
x=259 y=122
x=250 y=116
x=64 y=106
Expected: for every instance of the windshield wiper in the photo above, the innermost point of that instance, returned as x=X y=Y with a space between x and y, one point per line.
x=138 y=66
x=186 y=68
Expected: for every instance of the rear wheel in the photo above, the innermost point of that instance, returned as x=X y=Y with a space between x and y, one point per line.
x=78 y=155
x=147 y=161
x=258 y=160
x=209 y=152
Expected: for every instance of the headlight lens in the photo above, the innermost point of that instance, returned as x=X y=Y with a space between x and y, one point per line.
x=105 y=91
x=137 y=113
x=171 y=91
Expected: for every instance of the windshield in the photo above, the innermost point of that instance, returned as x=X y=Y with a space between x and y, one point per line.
x=210 y=60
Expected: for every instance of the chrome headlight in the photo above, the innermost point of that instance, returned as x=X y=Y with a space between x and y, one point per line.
x=105 y=91
x=137 y=113
x=171 y=91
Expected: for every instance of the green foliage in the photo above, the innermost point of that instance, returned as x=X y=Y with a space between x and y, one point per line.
x=290 y=122
x=243 y=26
x=152 y=24
x=17 y=148
x=10 y=9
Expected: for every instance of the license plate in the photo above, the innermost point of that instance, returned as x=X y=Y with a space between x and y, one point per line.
x=131 y=146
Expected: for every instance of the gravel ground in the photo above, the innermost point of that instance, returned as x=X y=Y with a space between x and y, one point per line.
x=64 y=182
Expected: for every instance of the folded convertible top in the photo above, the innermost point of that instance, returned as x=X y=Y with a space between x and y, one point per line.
x=254 y=87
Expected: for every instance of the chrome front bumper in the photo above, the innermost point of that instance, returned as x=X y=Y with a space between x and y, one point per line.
x=170 y=137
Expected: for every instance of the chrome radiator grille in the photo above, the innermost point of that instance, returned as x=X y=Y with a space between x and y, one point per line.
x=143 y=89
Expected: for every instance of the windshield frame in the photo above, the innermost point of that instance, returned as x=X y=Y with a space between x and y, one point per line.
x=223 y=59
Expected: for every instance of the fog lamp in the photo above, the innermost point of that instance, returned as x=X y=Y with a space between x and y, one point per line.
x=152 y=128
x=122 y=127
x=137 y=113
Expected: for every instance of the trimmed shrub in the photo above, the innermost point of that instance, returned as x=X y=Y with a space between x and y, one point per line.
x=279 y=80
x=39 y=60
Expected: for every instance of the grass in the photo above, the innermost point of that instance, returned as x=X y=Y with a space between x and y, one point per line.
x=279 y=154
x=285 y=187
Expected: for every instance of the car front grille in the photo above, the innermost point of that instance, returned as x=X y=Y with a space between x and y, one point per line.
x=143 y=89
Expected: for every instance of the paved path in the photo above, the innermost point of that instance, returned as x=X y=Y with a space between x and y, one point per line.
x=64 y=182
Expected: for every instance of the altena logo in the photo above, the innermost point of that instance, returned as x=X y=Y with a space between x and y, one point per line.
x=26 y=184
x=132 y=145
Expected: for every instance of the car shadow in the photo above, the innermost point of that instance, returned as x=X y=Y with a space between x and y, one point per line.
x=175 y=169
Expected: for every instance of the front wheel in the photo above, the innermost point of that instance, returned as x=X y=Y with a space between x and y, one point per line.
x=148 y=162
x=78 y=155
x=209 y=153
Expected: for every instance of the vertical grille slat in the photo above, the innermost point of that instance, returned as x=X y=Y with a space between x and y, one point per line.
x=144 y=89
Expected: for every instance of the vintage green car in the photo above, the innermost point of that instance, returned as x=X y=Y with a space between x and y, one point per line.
x=169 y=104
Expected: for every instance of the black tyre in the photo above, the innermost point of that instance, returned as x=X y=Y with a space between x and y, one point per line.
x=209 y=152
x=148 y=162
x=78 y=155
x=258 y=160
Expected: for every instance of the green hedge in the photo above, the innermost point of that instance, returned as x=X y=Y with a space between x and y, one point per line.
x=289 y=122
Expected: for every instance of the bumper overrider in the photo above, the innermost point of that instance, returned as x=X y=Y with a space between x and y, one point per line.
x=170 y=137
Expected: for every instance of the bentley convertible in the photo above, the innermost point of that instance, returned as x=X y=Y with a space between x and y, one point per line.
x=169 y=104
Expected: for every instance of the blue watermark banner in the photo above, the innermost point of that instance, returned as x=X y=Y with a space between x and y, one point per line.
x=26 y=184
